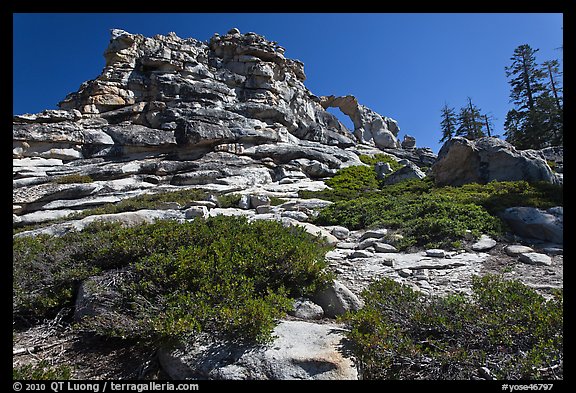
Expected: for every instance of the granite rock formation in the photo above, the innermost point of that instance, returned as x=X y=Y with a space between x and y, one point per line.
x=233 y=116
x=462 y=161
x=229 y=114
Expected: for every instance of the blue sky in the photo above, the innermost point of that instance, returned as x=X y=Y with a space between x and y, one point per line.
x=404 y=66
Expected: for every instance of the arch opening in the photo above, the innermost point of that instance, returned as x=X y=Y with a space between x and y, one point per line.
x=342 y=117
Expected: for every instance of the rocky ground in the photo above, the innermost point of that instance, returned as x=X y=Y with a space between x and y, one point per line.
x=359 y=257
x=451 y=273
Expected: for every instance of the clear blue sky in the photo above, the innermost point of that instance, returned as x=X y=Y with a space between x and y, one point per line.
x=404 y=66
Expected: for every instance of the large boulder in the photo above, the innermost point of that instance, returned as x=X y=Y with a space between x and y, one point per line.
x=409 y=142
x=408 y=171
x=534 y=223
x=461 y=161
x=300 y=350
x=337 y=299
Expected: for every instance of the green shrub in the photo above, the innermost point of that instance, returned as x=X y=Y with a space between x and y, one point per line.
x=354 y=181
x=505 y=325
x=380 y=157
x=75 y=178
x=222 y=275
x=275 y=201
x=365 y=185
x=45 y=275
x=424 y=220
x=229 y=200
x=354 y=178
x=428 y=215
x=230 y=277
x=41 y=371
x=497 y=196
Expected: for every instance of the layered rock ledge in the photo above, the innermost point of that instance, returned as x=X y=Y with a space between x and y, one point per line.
x=230 y=113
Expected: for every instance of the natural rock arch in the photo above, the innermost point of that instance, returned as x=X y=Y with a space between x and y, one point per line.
x=369 y=126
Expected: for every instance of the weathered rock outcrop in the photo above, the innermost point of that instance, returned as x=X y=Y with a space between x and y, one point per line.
x=369 y=126
x=462 y=161
x=166 y=95
x=228 y=114
x=220 y=91
x=538 y=224
x=301 y=350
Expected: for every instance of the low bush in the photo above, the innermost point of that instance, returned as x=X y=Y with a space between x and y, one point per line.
x=433 y=216
x=75 y=178
x=497 y=196
x=355 y=181
x=354 y=178
x=426 y=220
x=229 y=200
x=380 y=157
x=223 y=275
x=47 y=270
x=504 y=326
x=275 y=201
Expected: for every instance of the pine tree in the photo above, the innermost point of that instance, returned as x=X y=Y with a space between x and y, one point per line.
x=470 y=122
x=552 y=103
x=550 y=119
x=448 y=124
x=514 y=124
x=537 y=119
x=527 y=77
x=553 y=73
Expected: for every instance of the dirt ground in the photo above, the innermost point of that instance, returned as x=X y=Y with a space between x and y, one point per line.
x=89 y=357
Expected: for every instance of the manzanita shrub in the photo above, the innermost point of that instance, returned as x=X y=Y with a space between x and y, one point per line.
x=424 y=214
x=505 y=326
x=223 y=275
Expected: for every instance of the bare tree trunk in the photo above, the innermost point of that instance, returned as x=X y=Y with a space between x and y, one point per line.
x=487 y=125
x=474 y=123
x=527 y=83
x=549 y=66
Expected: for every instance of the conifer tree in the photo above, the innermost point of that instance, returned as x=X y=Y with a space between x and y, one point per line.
x=470 y=121
x=553 y=73
x=552 y=103
x=448 y=124
x=537 y=119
